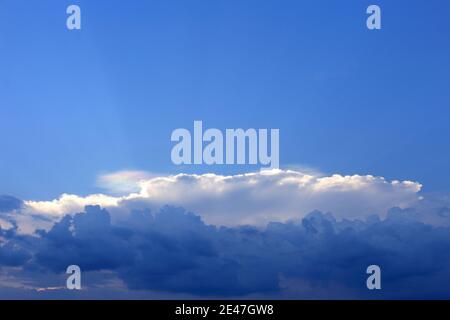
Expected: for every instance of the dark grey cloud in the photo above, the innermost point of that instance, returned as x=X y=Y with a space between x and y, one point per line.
x=174 y=251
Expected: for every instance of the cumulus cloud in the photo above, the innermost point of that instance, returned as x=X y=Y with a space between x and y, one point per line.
x=8 y=206
x=174 y=251
x=278 y=234
x=253 y=198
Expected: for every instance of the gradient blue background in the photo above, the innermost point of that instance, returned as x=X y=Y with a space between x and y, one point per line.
x=75 y=104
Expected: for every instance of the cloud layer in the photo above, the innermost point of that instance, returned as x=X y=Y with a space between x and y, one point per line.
x=253 y=199
x=173 y=252
x=272 y=234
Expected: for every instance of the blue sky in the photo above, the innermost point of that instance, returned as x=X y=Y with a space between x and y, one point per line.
x=76 y=104
x=363 y=118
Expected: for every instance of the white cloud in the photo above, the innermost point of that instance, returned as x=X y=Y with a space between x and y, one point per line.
x=253 y=198
x=125 y=181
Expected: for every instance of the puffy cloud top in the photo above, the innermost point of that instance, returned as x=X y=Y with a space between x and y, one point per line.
x=254 y=198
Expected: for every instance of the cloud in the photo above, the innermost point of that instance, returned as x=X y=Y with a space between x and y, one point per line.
x=11 y=254
x=121 y=182
x=8 y=207
x=275 y=234
x=174 y=252
x=253 y=198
